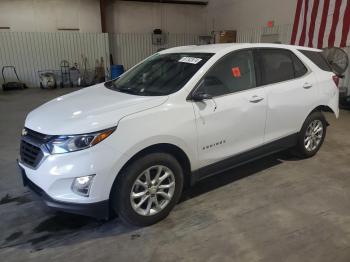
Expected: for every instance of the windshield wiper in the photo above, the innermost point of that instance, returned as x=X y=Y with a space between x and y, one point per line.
x=126 y=90
x=132 y=90
x=151 y=93
x=112 y=85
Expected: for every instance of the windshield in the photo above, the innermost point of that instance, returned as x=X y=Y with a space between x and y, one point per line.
x=161 y=74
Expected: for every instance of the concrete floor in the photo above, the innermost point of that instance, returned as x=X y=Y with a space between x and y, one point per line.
x=275 y=209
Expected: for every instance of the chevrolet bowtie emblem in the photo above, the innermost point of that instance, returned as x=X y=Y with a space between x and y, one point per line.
x=24 y=132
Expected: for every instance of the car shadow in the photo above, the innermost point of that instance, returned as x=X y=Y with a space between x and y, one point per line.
x=61 y=229
x=58 y=229
x=230 y=176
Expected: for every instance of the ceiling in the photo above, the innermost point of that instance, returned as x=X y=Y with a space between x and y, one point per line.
x=190 y=2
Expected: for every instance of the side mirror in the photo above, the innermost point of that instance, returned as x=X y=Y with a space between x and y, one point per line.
x=197 y=97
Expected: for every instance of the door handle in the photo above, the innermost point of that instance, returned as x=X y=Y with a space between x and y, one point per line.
x=255 y=99
x=307 y=85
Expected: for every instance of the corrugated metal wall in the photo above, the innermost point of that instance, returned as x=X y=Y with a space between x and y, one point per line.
x=254 y=35
x=30 y=52
x=129 y=48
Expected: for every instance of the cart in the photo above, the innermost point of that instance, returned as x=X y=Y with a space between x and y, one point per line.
x=48 y=79
x=6 y=86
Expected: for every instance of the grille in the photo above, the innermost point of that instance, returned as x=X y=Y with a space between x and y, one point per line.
x=30 y=150
x=30 y=154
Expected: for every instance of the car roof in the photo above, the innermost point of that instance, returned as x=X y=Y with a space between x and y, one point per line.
x=225 y=48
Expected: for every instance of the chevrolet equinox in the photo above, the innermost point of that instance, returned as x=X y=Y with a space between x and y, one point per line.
x=130 y=145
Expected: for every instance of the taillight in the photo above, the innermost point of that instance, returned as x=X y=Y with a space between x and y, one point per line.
x=336 y=80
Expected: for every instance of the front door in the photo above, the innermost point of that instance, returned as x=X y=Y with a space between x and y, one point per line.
x=233 y=121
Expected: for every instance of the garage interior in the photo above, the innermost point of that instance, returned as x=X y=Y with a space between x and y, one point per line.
x=278 y=208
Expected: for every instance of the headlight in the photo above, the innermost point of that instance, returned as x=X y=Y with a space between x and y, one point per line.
x=65 y=144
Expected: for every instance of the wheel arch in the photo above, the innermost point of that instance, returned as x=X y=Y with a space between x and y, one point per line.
x=171 y=149
x=320 y=108
x=323 y=108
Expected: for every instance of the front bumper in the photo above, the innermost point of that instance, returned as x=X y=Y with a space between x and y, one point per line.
x=99 y=210
x=55 y=173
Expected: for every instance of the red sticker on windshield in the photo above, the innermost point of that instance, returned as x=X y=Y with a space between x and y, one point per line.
x=236 y=72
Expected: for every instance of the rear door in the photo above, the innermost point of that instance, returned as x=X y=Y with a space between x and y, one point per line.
x=290 y=89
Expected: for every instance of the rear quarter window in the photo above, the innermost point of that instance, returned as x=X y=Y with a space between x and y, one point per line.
x=299 y=67
x=318 y=59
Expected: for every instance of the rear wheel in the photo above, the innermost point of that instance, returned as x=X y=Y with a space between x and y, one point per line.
x=147 y=189
x=312 y=135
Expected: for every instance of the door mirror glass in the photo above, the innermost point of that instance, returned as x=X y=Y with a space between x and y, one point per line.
x=200 y=96
x=212 y=86
x=209 y=81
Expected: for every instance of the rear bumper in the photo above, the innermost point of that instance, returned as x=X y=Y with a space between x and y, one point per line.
x=98 y=210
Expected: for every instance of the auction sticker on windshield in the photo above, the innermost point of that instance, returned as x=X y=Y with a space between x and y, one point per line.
x=190 y=60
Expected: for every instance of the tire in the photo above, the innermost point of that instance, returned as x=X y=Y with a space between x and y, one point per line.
x=308 y=148
x=126 y=207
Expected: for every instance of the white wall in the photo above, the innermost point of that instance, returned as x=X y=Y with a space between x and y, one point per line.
x=138 y=17
x=141 y=17
x=243 y=14
x=48 y=15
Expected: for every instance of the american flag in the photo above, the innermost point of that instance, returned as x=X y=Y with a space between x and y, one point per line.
x=321 y=23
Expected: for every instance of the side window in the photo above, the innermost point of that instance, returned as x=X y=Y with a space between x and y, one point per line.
x=233 y=73
x=299 y=67
x=275 y=66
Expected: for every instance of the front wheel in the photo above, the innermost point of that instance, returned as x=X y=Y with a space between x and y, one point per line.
x=311 y=135
x=148 y=189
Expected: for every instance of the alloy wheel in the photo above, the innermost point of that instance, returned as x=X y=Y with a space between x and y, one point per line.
x=313 y=135
x=153 y=190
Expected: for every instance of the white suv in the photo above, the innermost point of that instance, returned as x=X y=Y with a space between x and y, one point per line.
x=131 y=145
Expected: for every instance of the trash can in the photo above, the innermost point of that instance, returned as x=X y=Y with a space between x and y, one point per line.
x=116 y=71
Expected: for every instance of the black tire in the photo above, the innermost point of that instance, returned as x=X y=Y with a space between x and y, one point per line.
x=121 y=191
x=300 y=148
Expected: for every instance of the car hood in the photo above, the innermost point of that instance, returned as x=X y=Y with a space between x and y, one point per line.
x=88 y=110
